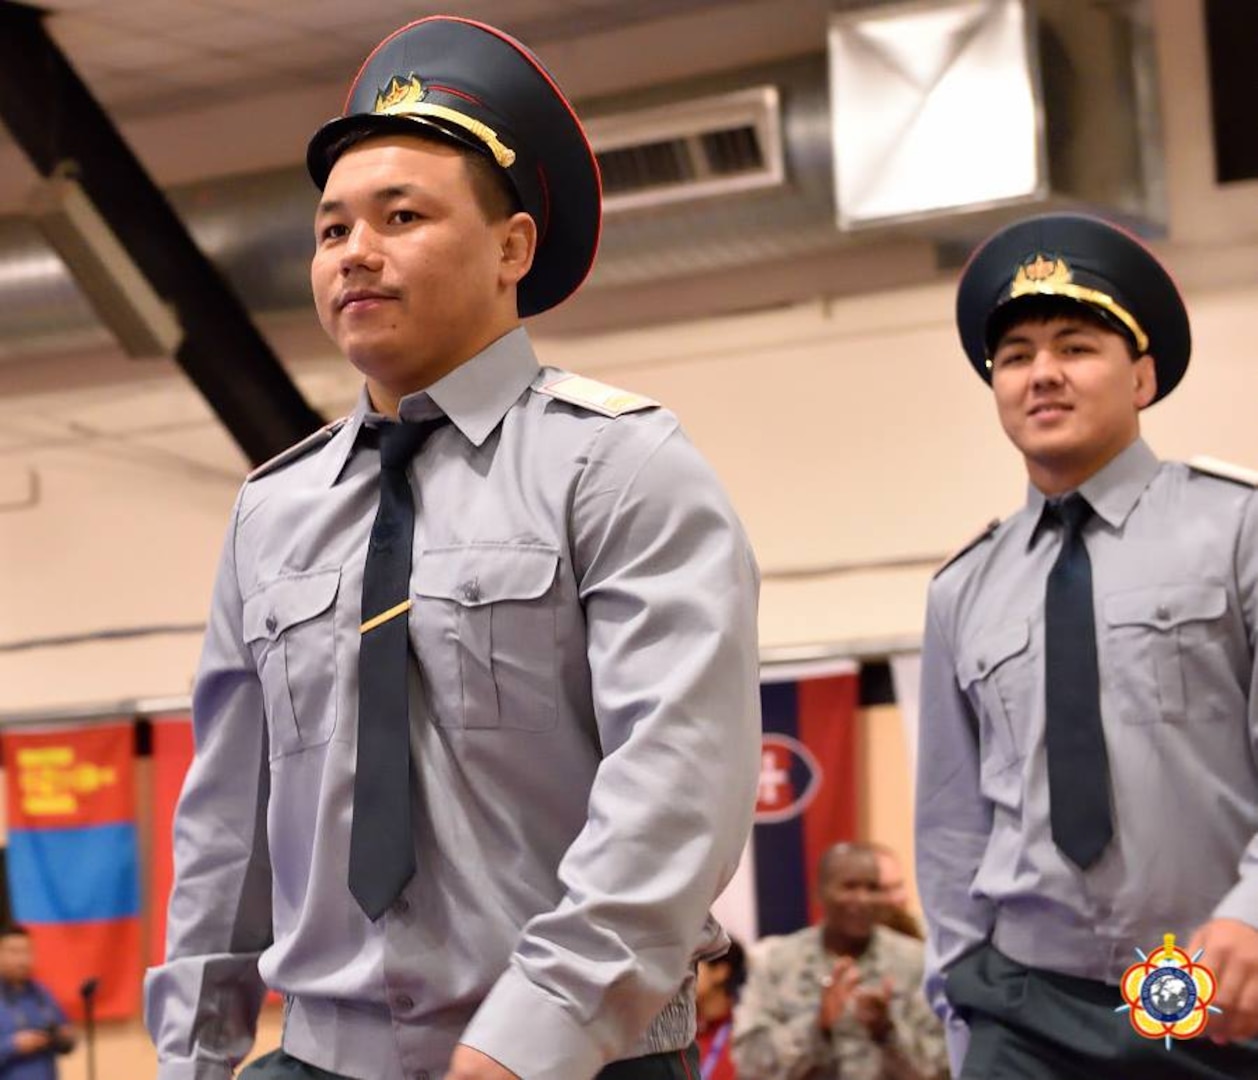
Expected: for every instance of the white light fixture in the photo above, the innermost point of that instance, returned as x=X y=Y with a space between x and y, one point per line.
x=143 y=323
x=936 y=108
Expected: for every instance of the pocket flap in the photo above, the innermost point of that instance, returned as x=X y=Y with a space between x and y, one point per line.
x=1165 y=606
x=991 y=648
x=288 y=601
x=485 y=573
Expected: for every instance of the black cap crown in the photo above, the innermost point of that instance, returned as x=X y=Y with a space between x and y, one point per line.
x=473 y=85
x=1081 y=259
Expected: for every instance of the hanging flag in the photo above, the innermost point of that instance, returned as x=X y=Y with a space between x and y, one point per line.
x=172 y=748
x=72 y=860
x=809 y=795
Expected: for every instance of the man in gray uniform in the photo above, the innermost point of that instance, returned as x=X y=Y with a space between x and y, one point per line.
x=1087 y=781
x=477 y=716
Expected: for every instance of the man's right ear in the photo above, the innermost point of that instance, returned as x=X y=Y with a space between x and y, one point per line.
x=519 y=245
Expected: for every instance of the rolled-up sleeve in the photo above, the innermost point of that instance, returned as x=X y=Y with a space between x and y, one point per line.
x=669 y=589
x=201 y=1005
x=953 y=824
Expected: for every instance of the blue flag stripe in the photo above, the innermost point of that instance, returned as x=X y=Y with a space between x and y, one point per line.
x=781 y=893
x=74 y=875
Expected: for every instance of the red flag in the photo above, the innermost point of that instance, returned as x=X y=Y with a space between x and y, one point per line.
x=172 y=754
x=809 y=794
x=73 y=860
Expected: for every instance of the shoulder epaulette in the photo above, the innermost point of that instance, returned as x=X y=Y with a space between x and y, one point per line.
x=992 y=526
x=300 y=449
x=1224 y=470
x=596 y=396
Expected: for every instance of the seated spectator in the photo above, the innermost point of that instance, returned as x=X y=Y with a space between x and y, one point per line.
x=716 y=990
x=894 y=910
x=33 y=1029
x=841 y=999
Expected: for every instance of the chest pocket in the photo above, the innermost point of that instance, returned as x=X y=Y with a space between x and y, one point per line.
x=997 y=675
x=1166 y=650
x=289 y=625
x=485 y=630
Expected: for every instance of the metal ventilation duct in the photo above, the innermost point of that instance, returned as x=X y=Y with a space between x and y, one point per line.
x=723 y=174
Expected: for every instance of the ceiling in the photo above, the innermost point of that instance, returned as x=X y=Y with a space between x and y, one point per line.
x=152 y=56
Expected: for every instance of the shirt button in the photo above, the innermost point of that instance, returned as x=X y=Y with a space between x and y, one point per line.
x=271 y=623
x=401 y=906
x=982 y=664
x=1163 y=613
x=404 y=1003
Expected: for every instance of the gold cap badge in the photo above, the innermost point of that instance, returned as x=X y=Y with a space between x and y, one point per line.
x=1043 y=275
x=405 y=97
x=398 y=95
x=1040 y=274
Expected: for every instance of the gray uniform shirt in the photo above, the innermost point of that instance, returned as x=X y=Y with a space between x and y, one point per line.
x=776 y=1036
x=1174 y=556
x=585 y=733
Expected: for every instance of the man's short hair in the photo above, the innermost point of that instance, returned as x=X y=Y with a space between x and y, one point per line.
x=494 y=194
x=1042 y=309
x=14 y=930
x=845 y=849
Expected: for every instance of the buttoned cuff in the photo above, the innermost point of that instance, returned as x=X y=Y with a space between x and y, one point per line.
x=193 y=1069
x=530 y=1032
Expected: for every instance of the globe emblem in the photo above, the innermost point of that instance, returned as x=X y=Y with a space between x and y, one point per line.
x=1169 y=994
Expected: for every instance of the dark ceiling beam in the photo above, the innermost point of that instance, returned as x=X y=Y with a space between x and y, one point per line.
x=54 y=118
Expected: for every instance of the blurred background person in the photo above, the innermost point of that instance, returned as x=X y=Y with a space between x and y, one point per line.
x=717 y=986
x=841 y=999
x=33 y=1029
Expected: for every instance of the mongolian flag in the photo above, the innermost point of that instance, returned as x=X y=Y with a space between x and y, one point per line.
x=808 y=796
x=172 y=754
x=72 y=859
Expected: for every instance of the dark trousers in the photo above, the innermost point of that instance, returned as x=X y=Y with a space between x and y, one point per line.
x=678 y=1065
x=1029 y=1024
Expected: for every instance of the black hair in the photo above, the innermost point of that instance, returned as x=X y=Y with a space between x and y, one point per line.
x=14 y=930
x=735 y=959
x=493 y=189
x=1045 y=308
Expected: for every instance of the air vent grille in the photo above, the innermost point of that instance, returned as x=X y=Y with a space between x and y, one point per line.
x=695 y=149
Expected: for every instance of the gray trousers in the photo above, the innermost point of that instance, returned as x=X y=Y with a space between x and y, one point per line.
x=1030 y=1024
x=678 y=1065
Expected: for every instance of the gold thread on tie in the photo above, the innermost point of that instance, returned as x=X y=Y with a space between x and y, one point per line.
x=385 y=616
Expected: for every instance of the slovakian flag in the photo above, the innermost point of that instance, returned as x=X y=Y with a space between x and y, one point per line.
x=809 y=794
x=172 y=754
x=72 y=860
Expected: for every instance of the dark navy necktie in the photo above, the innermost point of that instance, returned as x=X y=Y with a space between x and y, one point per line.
x=1078 y=765
x=382 y=844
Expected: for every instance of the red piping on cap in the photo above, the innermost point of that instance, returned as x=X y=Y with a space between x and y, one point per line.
x=455 y=93
x=598 y=176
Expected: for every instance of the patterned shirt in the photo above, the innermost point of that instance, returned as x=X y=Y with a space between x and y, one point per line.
x=776 y=1034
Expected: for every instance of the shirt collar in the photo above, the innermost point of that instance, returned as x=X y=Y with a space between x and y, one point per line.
x=1112 y=492
x=475 y=396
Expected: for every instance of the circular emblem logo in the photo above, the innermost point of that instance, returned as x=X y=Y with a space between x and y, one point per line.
x=1168 y=994
x=789 y=779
